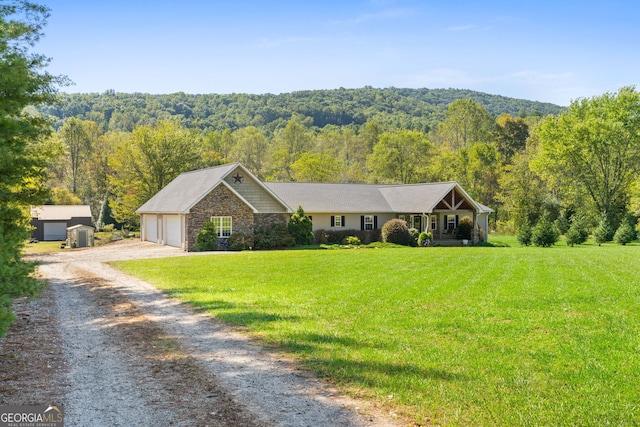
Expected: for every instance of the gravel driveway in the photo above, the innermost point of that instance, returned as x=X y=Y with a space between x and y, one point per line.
x=131 y=356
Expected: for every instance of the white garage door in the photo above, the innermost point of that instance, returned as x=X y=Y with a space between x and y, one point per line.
x=151 y=228
x=173 y=230
x=55 y=231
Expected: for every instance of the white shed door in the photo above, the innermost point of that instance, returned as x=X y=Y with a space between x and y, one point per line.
x=151 y=228
x=55 y=231
x=173 y=230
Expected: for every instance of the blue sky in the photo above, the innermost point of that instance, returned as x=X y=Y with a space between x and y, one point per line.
x=550 y=51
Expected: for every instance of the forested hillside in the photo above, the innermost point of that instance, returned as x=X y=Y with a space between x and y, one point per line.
x=118 y=150
x=416 y=109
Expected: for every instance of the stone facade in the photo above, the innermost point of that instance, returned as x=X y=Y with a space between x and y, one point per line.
x=268 y=220
x=220 y=202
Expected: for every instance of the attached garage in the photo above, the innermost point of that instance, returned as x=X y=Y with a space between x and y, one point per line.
x=55 y=231
x=173 y=233
x=150 y=228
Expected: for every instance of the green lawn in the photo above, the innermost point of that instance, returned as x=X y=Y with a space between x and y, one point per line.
x=482 y=336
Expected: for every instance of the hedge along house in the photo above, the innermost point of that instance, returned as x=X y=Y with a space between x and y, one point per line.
x=50 y=222
x=229 y=195
x=237 y=201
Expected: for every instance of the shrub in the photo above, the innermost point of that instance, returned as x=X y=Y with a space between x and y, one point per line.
x=603 y=233
x=414 y=233
x=338 y=236
x=300 y=227
x=625 y=233
x=524 y=234
x=544 y=234
x=396 y=231
x=465 y=227
x=240 y=242
x=425 y=238
x=207 y=238
x=273 y=238
x=577 y=232
x=351 y=241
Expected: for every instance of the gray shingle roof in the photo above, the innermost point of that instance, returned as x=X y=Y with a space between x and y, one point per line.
x=190 y=187
x=186 y=190
x=365 y=198
x=324 y=197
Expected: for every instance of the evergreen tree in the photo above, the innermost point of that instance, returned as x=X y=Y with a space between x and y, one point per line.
x=300 y=227
x=524 y=234
x=24 y=156
x=603 y=233
x=625 y=233
x=544 y=234
x=577 y=233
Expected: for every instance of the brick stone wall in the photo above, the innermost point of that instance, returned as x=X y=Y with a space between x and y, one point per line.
x=220 y=202
x=268 y=220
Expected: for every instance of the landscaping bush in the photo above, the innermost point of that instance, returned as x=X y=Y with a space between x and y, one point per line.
x=625 y=233
x=240 y=242
x=465 y=226
x=577 y=232
x=337 y=236
x=414 y=233
x=351 y=241
x=603 y=233
x=275 y=237
x=425 y=239
x=300 y=227
x=207 y=238
x=396 y=231
x=524 y=234
x=544 y=234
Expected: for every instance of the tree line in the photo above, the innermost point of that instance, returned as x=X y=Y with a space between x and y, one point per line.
x=419 y=109
x=582 y=161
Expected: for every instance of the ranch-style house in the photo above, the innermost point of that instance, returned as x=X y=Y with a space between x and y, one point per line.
x=237 y=201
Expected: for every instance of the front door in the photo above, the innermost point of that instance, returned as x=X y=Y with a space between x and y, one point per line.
x=417 y=222
x=82 y=238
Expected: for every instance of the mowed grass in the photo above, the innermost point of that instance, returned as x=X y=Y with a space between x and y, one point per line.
x=503 y=336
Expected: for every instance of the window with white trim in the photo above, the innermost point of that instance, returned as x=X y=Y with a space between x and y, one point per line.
x=451 y=222
x=223 y=226
x=337 y=221
x=434 y=222
x=368 y=222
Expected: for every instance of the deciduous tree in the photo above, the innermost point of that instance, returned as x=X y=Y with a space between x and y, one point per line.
x=147 y=162
x=593 y=150
x=400 y=157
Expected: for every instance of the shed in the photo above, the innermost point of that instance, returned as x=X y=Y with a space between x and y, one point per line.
x=80 y=236
x=50 y=222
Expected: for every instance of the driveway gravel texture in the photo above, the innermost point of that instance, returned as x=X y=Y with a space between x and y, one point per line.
x=113 y=350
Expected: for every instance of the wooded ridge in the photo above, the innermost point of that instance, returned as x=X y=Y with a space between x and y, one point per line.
x=400 y=108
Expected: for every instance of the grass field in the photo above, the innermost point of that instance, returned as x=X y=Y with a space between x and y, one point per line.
x=482 y=336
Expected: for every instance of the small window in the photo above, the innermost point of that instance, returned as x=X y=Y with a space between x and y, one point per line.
x=434 y=222
x=337 y=220
x=223 y=226
x=368 y=222
x=451 y=222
